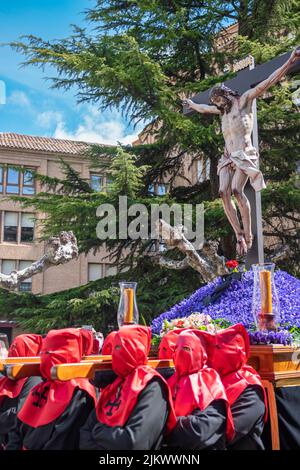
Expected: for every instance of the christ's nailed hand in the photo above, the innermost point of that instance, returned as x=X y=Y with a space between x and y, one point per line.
x=295 y=55
x=187 y=103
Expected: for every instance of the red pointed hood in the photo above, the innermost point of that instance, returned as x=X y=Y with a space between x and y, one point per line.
x=189 y=356
x=87 y=341
x=231 y=349
x=61 y=347
x=168 y=342
x=194 y=385
x=25 y=345
x=131 y=346
x=130 y=349
x=48 y=400
x=108 y=343
x=228 y=353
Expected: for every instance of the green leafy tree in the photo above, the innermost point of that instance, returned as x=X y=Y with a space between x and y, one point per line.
x=126 y=176
x=143 y=57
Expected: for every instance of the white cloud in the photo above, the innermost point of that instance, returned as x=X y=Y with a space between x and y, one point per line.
x=19 y=98
x=96 y=127
x=47 y=119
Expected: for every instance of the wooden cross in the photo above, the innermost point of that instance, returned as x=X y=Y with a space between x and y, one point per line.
x=244 y=80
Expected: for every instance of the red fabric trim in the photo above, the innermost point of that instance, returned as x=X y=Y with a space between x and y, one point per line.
x=49 y=399
x=228 y=353
x=25 y=345
x=130 y=348
x=194 y=385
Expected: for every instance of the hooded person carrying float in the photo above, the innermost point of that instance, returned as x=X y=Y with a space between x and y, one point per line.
x=204 y=418
x=13 y=393
x=54 y=411
x=135 y=410
x=228 y=352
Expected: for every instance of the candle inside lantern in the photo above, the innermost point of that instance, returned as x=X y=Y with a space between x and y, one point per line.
x=266 y=292
x=265 y=302
x=128 y=307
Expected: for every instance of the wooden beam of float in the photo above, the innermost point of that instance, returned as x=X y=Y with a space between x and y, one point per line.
x=36 y=360
x=275 y=363
x=63 y=372
x=20 y=371
x=17 y=360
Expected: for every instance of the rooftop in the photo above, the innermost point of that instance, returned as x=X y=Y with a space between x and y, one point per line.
x=45 y=144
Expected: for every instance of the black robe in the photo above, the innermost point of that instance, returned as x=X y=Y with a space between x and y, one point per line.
x=10 y=407
x=60 y=434
x=248 y=415
x=200 y=430
x=143 y=429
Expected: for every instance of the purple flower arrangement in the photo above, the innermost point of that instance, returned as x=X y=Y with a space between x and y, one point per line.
x=235 y=306
x=271 y=337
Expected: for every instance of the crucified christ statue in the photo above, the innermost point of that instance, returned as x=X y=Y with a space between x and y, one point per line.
x=240 y=159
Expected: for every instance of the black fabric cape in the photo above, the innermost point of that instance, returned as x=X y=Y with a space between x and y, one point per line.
x=288 y=409
x=10 y=407
x=143 y=430
x=200 y=430
x=248 y=415
x=60 y=434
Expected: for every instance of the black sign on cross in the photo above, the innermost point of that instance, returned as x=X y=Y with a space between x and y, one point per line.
x=113 y=404
x=244 y=80
x=41 y=397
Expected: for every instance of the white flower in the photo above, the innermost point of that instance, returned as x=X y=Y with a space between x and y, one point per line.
x=211 y=328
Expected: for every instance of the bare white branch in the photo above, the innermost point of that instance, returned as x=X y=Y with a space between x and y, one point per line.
x=207 y=262
x=59 y=250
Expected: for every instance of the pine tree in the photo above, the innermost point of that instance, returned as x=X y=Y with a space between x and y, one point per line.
x=126 y=176
x=142 y=58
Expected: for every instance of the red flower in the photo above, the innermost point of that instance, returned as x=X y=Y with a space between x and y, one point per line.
x=232 y=264
x=180 y=324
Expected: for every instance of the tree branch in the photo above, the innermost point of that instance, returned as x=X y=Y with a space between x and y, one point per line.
x=207 y=263
x=60 y=250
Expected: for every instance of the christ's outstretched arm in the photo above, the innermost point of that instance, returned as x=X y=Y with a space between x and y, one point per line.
x=201 y=108
x=255 y=92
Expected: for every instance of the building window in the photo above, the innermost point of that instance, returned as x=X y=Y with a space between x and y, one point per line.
x=18 y=227
x=151 y=189
x=1 y=179
x=27 y=228
x=96 y=182
x=26 y=285
x=12 y=181
x=8 y=266
x=111 y=270
x=161 y=189
x=10 y=227
x=158 y=189
x=95 y=271
x=28 y=183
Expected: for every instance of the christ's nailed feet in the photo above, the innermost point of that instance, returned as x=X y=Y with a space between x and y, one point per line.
x=241 y=246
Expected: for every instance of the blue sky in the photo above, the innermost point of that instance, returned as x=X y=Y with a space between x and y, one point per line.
x=31 y=106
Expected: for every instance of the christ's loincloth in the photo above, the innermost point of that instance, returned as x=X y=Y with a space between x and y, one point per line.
x=246 y=160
